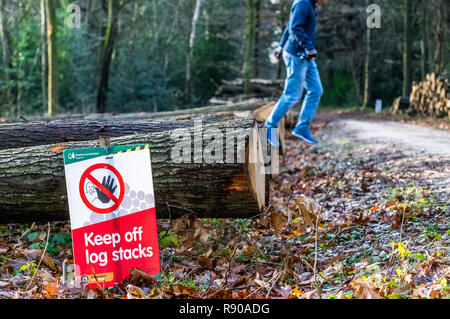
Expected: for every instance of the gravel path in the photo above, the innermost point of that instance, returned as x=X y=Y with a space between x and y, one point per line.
x=423 y=152
x=407 y=137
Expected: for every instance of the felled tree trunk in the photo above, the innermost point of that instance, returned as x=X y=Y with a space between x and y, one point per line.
x=19 y=135
x=262 y=113
x=178 y=114
x=32 y=184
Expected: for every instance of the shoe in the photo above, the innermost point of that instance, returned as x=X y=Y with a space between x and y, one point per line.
x=305 y=135
x=272 y=137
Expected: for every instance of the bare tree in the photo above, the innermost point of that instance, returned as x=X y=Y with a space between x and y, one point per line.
x=52 y=84
x=107 y=50
x=407 y=42
x=440 y=35
x=44 y=58
x=195 y=18
x=11 y=91
x=250 y=34
x=367 y=62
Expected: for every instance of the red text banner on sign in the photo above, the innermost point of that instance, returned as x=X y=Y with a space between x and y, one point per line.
x=112 y=247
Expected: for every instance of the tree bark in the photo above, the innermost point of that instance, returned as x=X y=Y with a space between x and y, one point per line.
x=28 y=134
x=11 y=91
x=407 y=42
x=248 y=68
x=44 y=57
x=185 y=113
x=440 y=34
x=32 y=185
x=367 y=66
x=357 y=74
x=108 y=47
x=283 y=16
x=256 y=38
x=52 y=84
x=190 y=55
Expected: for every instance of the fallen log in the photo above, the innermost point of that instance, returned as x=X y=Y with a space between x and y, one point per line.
x=32 y=185
x=262 y=113
x=247 y=105
x=260 y=87
x=16 y=135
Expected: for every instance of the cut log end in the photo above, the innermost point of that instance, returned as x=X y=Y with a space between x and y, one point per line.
x=256 y=169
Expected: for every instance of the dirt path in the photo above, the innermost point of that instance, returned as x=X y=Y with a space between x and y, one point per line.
x=422 y=152
x=405 y=137
x=384 y=185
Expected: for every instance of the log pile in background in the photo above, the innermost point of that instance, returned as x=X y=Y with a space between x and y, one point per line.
x=232 y=91
x=431 y=97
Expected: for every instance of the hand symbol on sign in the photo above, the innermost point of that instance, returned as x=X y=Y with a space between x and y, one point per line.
x=109 y=185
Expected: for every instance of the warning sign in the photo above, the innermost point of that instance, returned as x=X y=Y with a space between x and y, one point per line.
x=112 y=213
x=105 y=189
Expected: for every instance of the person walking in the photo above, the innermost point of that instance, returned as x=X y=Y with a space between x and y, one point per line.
x=297 y=46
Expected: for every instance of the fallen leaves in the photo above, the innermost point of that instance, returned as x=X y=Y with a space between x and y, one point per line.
x=190 y=230
x=134 y=292
x=365 y=289
x=50 y=291
x=57 y=149
x=302 y=212
x=310 y=210
x=47 y=260
x=139 y=277
x=278 y=221
x=274 y=256
x=45 y=276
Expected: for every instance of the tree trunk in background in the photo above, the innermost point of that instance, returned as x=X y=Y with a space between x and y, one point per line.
x=190 y=56
x=407 y=42
x=440 y=32
x=108 y=47
x=367 y=66
x=357 y=74
x=256 y=39
x=424 y=68
x=248 y=68
x=283 y=18
x=44 y=58
x=50 y=12
x=11 y=91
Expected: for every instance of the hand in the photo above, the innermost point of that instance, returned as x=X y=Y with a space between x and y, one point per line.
x=109 y=185
x=312 y=54
x=277 y=53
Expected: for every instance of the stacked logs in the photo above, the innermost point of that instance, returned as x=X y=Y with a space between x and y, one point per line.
x=259 y=88
x=431 y=97
x=32 y=184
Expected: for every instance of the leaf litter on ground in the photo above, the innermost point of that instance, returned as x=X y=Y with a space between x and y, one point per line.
x=343 y=222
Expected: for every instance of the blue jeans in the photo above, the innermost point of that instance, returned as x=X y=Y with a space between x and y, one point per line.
x=300 y=73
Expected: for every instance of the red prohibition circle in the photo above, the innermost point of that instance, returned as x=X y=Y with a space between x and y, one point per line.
x=87 y=175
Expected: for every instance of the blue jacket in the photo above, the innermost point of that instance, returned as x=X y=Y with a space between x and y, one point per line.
x=300 y=34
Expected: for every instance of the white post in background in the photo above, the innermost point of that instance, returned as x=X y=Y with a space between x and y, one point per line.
x=378 y=106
